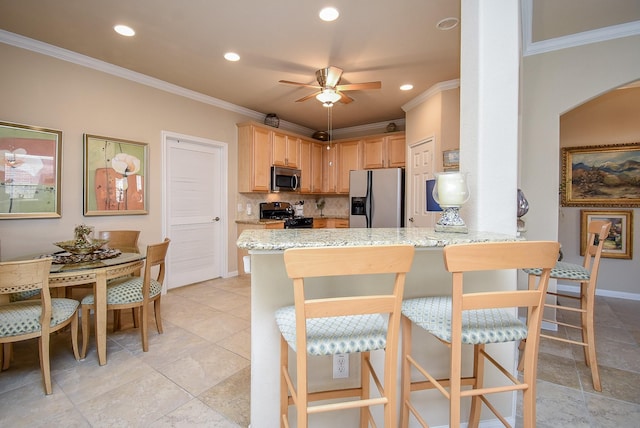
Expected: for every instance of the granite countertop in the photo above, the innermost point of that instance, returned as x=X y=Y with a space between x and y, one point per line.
x=279 y=240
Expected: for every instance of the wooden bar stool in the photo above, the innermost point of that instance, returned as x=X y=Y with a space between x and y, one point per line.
x=587 y=276
x=478 y=319
x=335 y=325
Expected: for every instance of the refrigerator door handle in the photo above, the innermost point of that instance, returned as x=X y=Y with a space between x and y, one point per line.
x=369 y=199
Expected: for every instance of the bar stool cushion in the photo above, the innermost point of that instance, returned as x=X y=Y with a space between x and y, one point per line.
x=478 y=326
x=127 y=290
x=24 y=317
x=564 y=270
x=335 y=335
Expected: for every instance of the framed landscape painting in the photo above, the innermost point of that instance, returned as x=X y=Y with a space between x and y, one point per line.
x=115 y=176
x=619 y=243
x=29 y=171
x=601 y=176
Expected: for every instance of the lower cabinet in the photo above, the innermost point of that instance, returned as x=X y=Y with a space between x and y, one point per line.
x=330 y=223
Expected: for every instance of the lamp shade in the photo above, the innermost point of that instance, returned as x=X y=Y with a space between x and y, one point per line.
x=328 y=96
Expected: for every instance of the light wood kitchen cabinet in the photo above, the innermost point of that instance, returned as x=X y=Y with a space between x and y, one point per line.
x=348 y=159
x=286 y=150
x=246 y=226
x=254 y=158
x=319 y=223
x=384 y=151
x=311 y=166
x=336 y=223
x=329 y=170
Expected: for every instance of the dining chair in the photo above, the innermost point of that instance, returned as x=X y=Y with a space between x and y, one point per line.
x=127 y=242
x=133 y=292
x=322 y=326
x=478 y=317
x=587 y=276
x=35 y=318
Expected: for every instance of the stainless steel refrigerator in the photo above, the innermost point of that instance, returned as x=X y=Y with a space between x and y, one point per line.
x=376 y=198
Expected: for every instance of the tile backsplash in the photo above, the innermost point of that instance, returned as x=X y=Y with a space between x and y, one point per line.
x=335 y=206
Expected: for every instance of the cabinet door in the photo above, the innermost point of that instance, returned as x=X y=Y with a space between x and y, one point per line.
x=254 y=159
x=306 y=166
x=373 y=153
x=286 y=150
x=329 y=170
x=348 y=159
x=396 y=151
x=316 y=166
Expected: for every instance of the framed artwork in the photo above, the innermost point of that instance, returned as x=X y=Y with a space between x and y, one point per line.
x=29 y=171
x=451 y=159
x=115 y=176
x=601 y=176
x=619 y=244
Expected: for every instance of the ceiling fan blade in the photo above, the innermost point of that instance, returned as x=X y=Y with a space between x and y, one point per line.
x=289 y=82
x=345 y=99
x=308 y=97
x=359 y=86
x=329 y=77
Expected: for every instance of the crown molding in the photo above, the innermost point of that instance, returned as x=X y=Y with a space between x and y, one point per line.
x=579 y=39
x=434 y=90
x=105 y=67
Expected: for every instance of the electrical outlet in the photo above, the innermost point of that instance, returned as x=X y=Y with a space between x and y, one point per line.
x=240 y=208
x=340 y=366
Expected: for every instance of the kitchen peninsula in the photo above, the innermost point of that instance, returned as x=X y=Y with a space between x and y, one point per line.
x=271 y=289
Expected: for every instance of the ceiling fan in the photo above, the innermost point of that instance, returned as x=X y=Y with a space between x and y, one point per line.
x=329 y=89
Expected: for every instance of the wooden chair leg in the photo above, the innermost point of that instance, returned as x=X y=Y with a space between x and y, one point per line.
x=86 y=313
x=74 y=335
x=144 y=326
x=406 y=372
x=45 y=367
x=7 y=355
x=365 y=387
x=134 y=314
x=478 y=374
x=284 y=389
x=158 y=315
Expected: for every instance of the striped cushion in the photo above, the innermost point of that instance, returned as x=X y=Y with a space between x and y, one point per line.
x=564 y=270
x=24 y=317
x=478 y=326
x=335 y=335
x=126 y=290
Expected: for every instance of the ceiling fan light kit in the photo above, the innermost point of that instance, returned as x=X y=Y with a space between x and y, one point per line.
x=329 y=89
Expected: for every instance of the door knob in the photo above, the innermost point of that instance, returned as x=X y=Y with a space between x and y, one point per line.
x=411 y=219
x=216 y=219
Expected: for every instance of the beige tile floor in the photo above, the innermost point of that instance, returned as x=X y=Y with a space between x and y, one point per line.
x=197 y=372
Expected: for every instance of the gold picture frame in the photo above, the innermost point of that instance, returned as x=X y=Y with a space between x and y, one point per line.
x=601 y=176
x=30 y=171
x=619 y=244
x=115 y=176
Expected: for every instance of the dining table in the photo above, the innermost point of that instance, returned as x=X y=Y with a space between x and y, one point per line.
x=66 y=272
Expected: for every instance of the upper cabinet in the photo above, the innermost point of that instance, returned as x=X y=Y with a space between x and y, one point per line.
x=384 y=151
x=254 y=158
x=286 y=150
x=322 y=170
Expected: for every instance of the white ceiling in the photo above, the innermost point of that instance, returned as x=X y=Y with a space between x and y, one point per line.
x=183 y=42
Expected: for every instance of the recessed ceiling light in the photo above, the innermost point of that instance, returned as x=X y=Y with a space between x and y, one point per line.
x=447 y=23
x=232 y=56
x=124 y=30
x=329 y=14
x=406 y=87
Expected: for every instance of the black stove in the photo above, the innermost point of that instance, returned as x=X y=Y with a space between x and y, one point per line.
x=284 y=211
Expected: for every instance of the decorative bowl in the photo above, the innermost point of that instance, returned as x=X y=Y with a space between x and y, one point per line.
x=75 y=247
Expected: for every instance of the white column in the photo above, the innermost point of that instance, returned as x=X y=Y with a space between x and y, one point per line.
x=489 y=78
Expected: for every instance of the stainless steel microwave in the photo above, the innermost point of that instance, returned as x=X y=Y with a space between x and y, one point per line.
x=285 y=179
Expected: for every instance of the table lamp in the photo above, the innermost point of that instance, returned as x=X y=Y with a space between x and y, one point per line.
x=451 y=192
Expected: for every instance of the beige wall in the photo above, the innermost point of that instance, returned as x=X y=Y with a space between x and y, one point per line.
x=552 y=84
x=43 y=91
x=438 y=116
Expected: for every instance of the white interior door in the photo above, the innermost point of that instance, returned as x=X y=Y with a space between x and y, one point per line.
x=195 y=195
x=420 y=170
